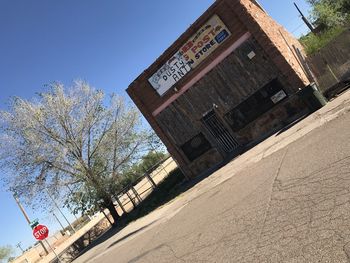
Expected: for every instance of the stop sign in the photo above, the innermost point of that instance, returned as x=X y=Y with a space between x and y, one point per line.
x=40 y=232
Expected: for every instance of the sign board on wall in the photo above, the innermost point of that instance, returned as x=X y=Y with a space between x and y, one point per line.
x=278 y=96
x=208 y=38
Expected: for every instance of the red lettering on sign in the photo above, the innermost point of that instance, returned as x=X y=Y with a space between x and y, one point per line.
x=206 y=39
x=40 y=232
x=187 y=46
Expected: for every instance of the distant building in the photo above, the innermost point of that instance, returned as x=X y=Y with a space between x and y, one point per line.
x=37 y=253
x=229 y=81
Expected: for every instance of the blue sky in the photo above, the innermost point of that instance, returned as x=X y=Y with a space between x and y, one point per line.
x=107 y=43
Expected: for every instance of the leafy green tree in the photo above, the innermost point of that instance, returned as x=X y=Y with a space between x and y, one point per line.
x=330 y=13
x=150 y=160
x=5 y=252
x=83 y=199
x=147 y=163
x=313 y=43
x=70 y=142
x=331 y=17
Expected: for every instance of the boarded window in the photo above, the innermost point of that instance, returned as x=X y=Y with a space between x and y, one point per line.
x=256 y=105
x=196 y=147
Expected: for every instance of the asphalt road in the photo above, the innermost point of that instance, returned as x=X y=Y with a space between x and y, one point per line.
x=291 y=206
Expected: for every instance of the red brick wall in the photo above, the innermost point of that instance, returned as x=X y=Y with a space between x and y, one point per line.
x=269 y=35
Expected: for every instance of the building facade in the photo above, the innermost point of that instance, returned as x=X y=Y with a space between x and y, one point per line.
x=229 y=81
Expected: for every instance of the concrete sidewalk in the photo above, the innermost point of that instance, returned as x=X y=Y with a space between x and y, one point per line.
x=285 y=200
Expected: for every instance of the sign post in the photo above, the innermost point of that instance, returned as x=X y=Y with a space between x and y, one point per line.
x=32 y=224
x=41 y=232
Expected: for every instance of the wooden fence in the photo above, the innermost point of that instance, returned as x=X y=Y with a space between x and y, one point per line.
x=125 y=201
x=331 y=65
x=132 y=195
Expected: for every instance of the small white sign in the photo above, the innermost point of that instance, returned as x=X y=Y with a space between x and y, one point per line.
x=278 y=96
x=251 y=55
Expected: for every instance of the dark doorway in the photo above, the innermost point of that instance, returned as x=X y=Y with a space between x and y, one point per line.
x=217 y=129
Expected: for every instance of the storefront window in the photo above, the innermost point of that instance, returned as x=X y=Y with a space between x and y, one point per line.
x=196 y=147
x=256 y=105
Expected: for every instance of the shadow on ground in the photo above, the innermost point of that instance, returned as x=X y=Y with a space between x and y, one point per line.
x=172 y=186
x=130 y=234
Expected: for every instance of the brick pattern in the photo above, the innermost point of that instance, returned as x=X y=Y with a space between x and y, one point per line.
x=162 y=135
x=240 y=16
x=275 y=40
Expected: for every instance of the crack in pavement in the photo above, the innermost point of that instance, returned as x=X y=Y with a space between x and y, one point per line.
x=271 y=192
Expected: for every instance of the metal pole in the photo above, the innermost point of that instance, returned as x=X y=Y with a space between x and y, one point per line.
x=27 y=218
x=305 y=19
x=299 y=59
x=60 y=211
x=148 y=176
x=136 y=194
x=305 y=64
x=120 y=205
x=47 y=242
x=132 y=201
x=103 y=212
x=58 y=220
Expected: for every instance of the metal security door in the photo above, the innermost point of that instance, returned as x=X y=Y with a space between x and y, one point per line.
x=225 y=140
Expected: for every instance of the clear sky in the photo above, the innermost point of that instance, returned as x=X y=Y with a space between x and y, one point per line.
x=107 y=43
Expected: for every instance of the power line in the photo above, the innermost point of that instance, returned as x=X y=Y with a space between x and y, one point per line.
x=297 y=28
x=292 y=20
x=54 y=202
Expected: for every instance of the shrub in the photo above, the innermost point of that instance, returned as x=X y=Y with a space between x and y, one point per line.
x=313 y=43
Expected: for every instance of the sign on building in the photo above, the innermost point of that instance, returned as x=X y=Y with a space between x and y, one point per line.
x=208 y=38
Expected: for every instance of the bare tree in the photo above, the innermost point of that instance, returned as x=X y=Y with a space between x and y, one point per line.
x=69 y=137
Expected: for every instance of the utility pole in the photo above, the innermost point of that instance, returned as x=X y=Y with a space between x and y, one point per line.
x=58 y=221
x=27 y=218
x=53 y=200
x=309 y=25
x=19 y=245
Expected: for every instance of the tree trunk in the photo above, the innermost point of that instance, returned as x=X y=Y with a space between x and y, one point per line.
x=110 y=206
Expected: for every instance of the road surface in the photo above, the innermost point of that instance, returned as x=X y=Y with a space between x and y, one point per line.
x=286 y=200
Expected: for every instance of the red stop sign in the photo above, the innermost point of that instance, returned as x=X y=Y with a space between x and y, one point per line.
x=40 y=232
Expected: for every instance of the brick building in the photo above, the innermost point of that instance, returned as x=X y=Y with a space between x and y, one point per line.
x=229 y=81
